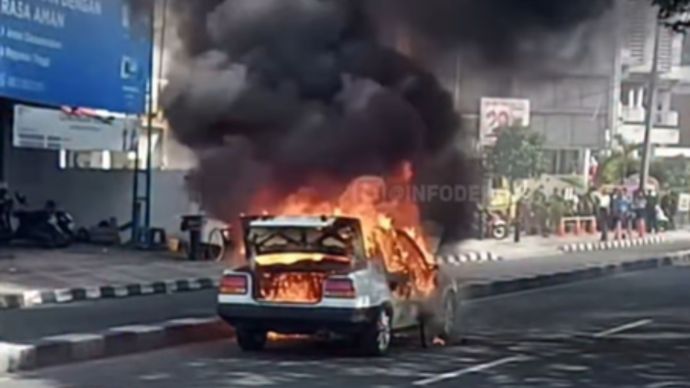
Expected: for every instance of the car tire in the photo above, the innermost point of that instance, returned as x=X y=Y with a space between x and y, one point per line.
x=448 y=316
x=442 y=322
x=376 y=338
x=251 y=340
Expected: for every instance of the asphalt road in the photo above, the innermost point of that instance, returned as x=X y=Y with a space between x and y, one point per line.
x=631 y=330
x=29 y=324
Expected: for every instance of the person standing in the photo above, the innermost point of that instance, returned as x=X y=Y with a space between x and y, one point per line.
x=621 y=209
x=651 y=213
x=639 y=207
x=603 y=203
x=666 y=204
x=556 y=210
x=673 y=209
x=540 y=212
x=627 y=212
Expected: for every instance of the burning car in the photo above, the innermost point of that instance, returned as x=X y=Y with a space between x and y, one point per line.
x=324 y=274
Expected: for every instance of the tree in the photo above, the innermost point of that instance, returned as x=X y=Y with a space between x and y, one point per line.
x=672 y=174
x=620 y=164
x=673 y=12
x=517 y=155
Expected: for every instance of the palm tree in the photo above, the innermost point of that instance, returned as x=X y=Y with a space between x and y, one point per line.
x=620 y=164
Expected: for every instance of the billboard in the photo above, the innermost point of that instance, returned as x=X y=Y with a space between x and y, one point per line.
x=499 y=113
x=90 y=53
x=634 y=134
x=54 y=129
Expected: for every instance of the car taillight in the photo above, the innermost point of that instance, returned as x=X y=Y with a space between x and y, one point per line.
x=339 y=288
x=234 y=284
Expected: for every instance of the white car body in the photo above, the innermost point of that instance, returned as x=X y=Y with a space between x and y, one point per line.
x=373 y=293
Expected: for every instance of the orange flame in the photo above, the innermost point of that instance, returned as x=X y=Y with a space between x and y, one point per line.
x=391 y=226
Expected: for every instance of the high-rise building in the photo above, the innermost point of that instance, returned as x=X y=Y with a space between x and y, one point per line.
x=639 y=28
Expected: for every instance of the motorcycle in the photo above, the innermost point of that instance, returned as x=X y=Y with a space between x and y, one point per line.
x=496 y=227
x=47 y=227
x=6 y=209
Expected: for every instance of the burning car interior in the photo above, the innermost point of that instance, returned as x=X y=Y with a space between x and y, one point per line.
x=291 y=264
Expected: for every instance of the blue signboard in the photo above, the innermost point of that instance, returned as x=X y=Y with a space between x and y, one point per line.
x=85 y=53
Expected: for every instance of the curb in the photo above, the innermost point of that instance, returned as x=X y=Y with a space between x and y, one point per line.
x=51 y=351
x=609 y=245
x=37 y=298
x=478 y=290
x=467 y=257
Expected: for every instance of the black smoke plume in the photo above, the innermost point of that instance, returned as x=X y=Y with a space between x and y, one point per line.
x=503 y=32
x=273 y=92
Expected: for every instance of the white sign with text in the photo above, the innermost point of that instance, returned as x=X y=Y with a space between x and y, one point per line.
x=684 y=202
x=57 y=130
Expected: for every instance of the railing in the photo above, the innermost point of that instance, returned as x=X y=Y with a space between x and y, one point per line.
x=577 y=225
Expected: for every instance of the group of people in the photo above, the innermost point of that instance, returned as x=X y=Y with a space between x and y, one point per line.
x=621 y=209
x=542 y=214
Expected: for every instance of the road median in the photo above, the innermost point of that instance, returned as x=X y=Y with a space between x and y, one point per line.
x=484 y=289
x=63 y=349
x=80 y=294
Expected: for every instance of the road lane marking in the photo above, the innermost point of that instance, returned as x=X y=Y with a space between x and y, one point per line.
x=622 y=328
x=466 y=371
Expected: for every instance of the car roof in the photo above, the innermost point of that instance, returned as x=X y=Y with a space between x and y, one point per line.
x=293 y=221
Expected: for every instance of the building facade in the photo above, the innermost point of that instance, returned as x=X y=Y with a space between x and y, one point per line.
x=671 y=122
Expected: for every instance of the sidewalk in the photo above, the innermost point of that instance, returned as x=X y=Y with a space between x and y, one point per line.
x=535 y=246
x=30 y=277
x=23 y=270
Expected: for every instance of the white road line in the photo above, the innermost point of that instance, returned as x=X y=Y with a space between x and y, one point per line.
x=473 y=369
x=622 y=328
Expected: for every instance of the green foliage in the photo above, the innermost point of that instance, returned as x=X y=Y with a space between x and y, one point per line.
x=670 y=10
x=671 y=173
x=574 y=181
x=517 y=154
x=616 y=168
x=620 y=164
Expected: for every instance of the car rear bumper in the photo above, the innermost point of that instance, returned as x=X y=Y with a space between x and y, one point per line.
x=296 y=320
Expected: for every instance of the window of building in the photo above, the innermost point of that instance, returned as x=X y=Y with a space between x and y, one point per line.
x=562 y=162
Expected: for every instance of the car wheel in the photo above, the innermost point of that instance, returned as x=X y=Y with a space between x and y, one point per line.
x=377 y=337
x=441 y=323
x=448 y=315
x=251 y=340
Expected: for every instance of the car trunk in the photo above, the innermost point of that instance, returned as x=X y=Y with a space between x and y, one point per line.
x=295 y=278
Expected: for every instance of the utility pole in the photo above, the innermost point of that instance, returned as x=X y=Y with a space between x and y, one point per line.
x=651 y=110
x=142 y=205
x=156 y=78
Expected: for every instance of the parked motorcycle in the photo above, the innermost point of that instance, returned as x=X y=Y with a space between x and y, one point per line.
x=48 y=227
x=496 y=226
x=6 y=208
